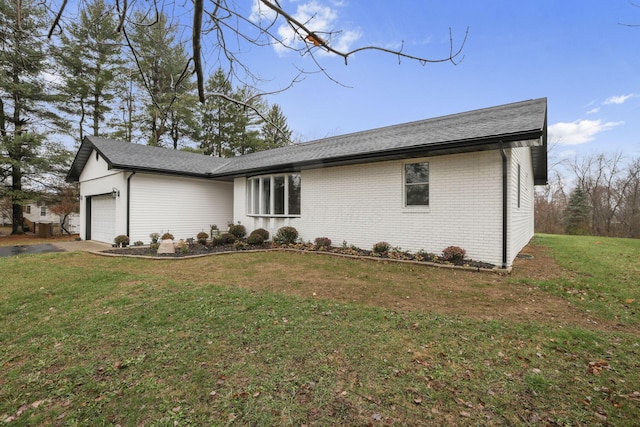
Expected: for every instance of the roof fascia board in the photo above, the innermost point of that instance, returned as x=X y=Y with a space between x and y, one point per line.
x=529 y=139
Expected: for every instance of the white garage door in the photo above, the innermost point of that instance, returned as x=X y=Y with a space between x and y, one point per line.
x=103 y=218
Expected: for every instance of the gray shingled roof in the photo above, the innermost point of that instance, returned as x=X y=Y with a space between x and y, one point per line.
x=518 y=124
x=123 y=155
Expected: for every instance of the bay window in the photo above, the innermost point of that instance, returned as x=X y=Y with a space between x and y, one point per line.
x=274 y=195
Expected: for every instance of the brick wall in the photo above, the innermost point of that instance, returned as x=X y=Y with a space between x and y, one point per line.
x=363 y=204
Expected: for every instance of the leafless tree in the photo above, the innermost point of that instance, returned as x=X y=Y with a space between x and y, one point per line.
x=608 y=180
x=224 y=28
x=549 y=206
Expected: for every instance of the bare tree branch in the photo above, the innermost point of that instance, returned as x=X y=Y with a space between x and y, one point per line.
x=57 y=19
x=197 y=55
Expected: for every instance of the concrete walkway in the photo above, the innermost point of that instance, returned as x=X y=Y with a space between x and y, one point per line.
x=83 y=245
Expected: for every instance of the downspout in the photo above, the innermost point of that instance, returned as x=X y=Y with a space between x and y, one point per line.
x=129 y=200
x=504 y=205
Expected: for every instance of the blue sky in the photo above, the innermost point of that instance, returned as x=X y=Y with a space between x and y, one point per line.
x=579 y=55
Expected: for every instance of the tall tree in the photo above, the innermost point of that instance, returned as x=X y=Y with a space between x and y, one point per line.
x=90 y=55
x=225 y=31
x=275 y=132
x=163 y=75
x=24 y=151
x=217 y=127
x=246 y=123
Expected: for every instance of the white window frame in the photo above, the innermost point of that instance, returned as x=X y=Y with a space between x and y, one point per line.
x=43 y=211
x=256 y=184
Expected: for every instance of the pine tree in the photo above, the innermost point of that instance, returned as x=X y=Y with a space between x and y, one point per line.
x=576 y=218
x=275 y=132
x=217 y=127
x=164 y=79
x=25 y=153
x=90 y=55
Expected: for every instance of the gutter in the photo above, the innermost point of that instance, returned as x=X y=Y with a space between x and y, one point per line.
x=504 y=205
x=129 y=200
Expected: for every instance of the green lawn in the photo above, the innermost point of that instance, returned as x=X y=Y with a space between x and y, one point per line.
x=270 y=339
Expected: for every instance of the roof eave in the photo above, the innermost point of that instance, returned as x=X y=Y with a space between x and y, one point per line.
x=529 y=138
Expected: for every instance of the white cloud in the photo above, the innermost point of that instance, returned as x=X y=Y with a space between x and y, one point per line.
x=579 y=132
x=593 y=110
x=620 y=99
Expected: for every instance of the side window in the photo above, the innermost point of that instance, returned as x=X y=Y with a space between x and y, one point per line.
x=43 y=211
x=416 y=184
x=519 y=185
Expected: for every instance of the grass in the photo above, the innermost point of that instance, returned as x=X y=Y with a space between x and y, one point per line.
x=602 y=275
x=294 y=339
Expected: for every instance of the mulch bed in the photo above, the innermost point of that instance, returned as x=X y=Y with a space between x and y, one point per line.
x=197 y=249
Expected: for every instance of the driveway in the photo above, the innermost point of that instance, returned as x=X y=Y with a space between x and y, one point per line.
x=82 y=245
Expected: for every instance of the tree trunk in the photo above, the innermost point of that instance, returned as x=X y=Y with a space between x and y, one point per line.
x=17 y=216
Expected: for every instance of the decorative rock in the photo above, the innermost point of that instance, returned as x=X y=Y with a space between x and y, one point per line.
x=180 y=244
x=166 y=247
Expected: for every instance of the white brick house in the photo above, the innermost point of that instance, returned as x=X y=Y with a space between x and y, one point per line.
x=464 y=180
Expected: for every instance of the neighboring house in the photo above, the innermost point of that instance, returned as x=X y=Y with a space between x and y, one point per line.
x=40 y=213
x=465 y=180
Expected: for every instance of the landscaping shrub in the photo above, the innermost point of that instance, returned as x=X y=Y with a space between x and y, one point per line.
x=286 y=235
x=262 y=232
x=202 y=238
x=381 y=248
x=154 y=237
x=138 y=243
x=167 y=236
x=226 y=239
x=322 y=242
x=121 y=240
x=255 y=239
x=453 y=254
x=240 y=245
x=238 y=230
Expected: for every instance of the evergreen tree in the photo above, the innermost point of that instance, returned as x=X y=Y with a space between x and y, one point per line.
x=275 y=132
x=217 y=127
x=576 y=220
x=247 y=123
x=164 y=79
x=90 y=56
x=25 y=152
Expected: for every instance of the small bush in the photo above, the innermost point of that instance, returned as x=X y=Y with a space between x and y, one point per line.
x=322 y=242
x=240 y=245
x=286 y=235
x=262 y=232
x=226 y=239
x=255 y=239
x=453 y=254
x=381 y=248
x=138 y=243
x=154 y=237
x=167 y=236
x=238 y=230
x=121 y=240
x=202 y=237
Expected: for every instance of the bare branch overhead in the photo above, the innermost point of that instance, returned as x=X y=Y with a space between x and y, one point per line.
x=226 y=19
